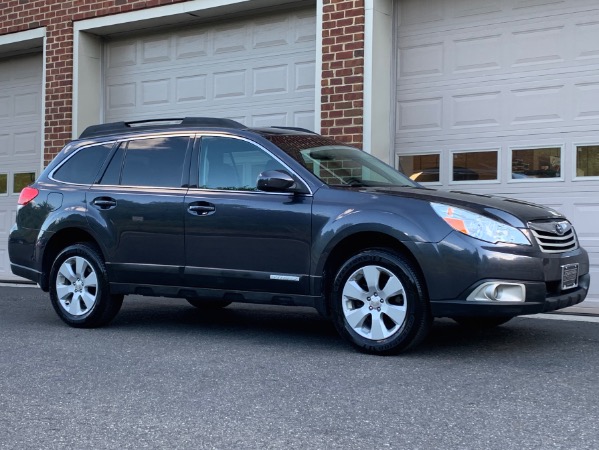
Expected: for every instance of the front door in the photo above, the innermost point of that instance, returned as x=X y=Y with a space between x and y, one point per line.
x=239 y=238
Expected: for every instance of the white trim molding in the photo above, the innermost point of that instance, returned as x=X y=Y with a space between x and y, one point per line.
x=378 y=60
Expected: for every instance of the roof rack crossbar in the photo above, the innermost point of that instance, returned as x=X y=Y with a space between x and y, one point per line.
x=120 y=127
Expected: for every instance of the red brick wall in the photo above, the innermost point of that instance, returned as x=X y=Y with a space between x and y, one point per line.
x=343 y=59
x=58 y=16
x=342 y=90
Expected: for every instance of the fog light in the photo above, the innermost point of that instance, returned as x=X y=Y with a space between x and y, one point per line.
x=497 y=291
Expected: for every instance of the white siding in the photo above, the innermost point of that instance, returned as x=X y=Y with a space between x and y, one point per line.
x=502 y=75
x=259 y=71
x=20 y=128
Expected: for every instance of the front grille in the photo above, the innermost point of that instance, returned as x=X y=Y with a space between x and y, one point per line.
x=555 y=236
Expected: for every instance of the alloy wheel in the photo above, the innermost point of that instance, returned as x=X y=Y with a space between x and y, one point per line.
x=77 y=286
x=374 y=302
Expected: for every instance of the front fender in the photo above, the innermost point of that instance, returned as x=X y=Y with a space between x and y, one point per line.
x=407 y=220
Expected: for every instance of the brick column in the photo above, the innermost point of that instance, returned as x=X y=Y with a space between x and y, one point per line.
x=342 y=90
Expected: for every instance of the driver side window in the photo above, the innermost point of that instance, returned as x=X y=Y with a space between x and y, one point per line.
x=232 y=164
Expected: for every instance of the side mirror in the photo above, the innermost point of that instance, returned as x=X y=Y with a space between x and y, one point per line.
x=275 y=181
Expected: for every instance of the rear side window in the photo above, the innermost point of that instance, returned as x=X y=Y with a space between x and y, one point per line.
x=83 y=166
x=153 y=162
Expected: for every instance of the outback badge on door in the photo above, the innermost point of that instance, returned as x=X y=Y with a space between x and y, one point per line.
x=569 y=276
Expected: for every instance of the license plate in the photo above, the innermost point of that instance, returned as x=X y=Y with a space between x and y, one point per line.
x=569 y=276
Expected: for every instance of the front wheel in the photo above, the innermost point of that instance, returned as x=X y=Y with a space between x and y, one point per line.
x=482 y=322
x=379 y=303
x=79 y=288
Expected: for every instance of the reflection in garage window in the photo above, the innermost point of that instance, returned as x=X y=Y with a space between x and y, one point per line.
x=587 y=161
x=474 y=166
x=421 y=168
x=3 y=183
x=536 y=163
x=21 y=180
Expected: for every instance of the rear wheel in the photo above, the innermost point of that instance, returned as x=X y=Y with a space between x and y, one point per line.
x=481 y=322
x=79 y=288
x=379 y=304
x=211 y=303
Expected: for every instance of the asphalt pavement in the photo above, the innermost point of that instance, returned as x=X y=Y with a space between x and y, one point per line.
x=166 y=375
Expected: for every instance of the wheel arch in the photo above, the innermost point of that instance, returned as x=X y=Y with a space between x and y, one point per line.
x=59 y=241
x=352 y=245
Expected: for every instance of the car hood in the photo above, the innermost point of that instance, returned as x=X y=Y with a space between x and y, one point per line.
x=488 y=205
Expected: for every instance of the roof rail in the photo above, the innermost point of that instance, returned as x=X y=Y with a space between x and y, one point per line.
x=122 y=127
x=305 y=130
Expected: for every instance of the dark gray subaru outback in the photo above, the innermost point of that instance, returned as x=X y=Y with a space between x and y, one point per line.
x=215 y=212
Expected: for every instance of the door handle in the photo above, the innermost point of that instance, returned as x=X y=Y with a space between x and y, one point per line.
x=104 y=203
x=201 y=208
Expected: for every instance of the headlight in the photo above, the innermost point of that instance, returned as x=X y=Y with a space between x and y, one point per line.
x=479 y=227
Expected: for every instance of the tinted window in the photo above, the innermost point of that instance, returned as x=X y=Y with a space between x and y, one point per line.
x=83 y=166
x=154 y=162
x=233 y=164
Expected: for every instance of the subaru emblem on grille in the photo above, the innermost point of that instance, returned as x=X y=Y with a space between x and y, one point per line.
x=561 y=228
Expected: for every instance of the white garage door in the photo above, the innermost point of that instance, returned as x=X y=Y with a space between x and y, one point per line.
x=503 y=98
x=20 y=139
x=259 y=71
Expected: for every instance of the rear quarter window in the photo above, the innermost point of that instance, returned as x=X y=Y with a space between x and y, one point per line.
x=83 y=166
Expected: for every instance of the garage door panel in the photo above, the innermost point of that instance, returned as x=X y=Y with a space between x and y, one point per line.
x=540 y=43
x=27 y=143
x=24 y=103
x=6 y=106
x=6 y=147
x=477 y=52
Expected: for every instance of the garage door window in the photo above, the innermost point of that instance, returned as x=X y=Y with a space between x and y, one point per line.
x=22 y=180
x=587 y=161
x=3 y=183
x=536 y=163
x=423 y=168
x=474 y=166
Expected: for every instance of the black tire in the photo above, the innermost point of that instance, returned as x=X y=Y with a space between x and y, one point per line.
x=387 y=335
x=210 y=303
x=482 y=322
x=72 y=299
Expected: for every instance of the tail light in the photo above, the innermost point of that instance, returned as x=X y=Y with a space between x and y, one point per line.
x=27 y=194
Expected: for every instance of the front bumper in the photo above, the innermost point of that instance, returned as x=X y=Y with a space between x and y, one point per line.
x=537 y=301
x=462 y=264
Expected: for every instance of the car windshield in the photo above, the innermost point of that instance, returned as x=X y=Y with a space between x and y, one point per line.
x=337 y=164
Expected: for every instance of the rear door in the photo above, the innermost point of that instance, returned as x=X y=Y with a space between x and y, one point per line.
x=239 y=238
x=137 y=209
